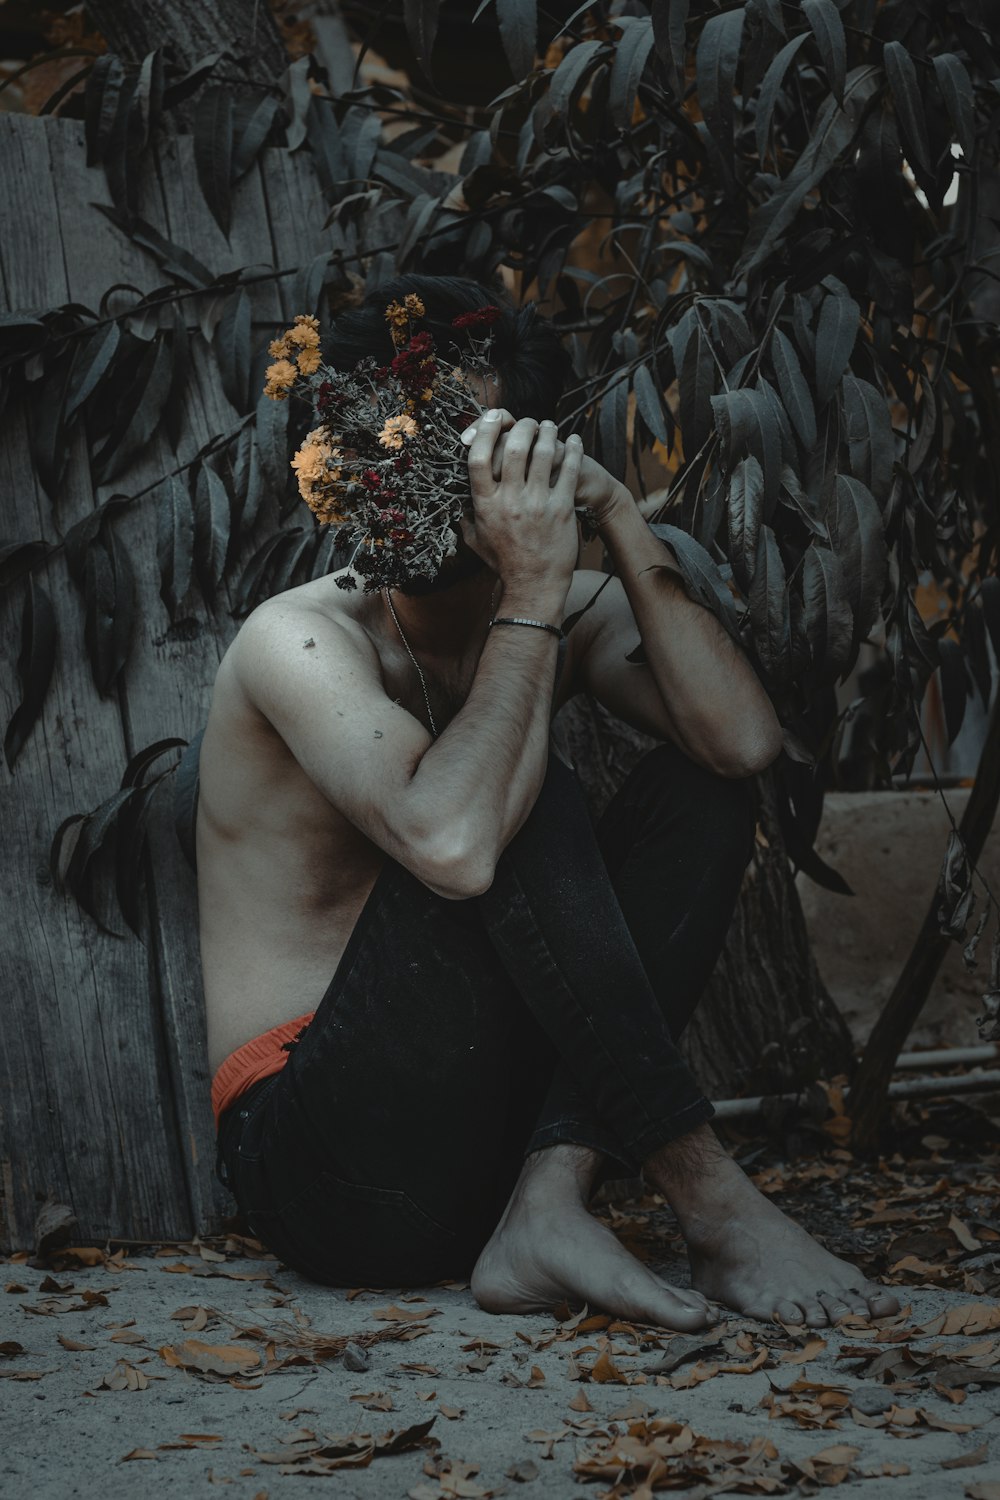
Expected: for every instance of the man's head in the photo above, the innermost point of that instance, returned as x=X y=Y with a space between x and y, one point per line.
x=530 y=360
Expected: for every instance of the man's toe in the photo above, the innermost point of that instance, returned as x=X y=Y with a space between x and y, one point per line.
x=880 y=1302
x=788 y=1312
x=816 y=1315
x=836 y=1307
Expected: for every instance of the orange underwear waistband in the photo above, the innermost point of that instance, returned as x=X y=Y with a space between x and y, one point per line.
x=256 y=1059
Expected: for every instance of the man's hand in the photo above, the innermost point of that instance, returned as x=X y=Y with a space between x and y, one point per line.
x=523 y=523
x=599 y=491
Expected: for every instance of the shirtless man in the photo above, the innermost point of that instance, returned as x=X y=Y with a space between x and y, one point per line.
x=452 y=887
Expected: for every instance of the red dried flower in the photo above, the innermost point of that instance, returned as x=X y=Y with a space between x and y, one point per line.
x=481 y=317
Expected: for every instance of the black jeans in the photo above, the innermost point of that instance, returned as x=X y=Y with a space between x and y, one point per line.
x=458 y=1036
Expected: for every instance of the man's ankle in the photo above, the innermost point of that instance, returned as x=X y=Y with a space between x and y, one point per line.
x=691 y=1171
x=562 y=1173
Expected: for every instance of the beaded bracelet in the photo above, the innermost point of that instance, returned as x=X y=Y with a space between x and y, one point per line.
x=519 y=620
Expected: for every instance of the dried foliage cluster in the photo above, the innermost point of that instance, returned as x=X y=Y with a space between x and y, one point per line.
x=766 y=231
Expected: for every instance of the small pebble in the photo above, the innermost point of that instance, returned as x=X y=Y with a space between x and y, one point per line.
x=355 y=1358
x=870 y=1401
x=308 y=643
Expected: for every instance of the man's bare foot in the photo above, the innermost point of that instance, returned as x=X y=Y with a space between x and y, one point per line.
x=547 y=1248
x=745 y=1253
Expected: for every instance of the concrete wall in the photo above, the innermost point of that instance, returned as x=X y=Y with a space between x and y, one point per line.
x=889 y=847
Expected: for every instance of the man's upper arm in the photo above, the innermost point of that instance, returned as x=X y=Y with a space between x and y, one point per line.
x=327 y=702
x=604 y=636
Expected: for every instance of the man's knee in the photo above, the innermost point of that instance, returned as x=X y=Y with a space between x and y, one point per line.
x=723 y=809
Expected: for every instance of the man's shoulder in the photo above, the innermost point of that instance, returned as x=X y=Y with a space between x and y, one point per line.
x=298 y=620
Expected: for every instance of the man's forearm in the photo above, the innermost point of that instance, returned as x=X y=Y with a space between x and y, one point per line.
x=704 y=677
x=486 y=768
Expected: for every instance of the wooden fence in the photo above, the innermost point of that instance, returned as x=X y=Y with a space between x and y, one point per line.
x=104 y=1084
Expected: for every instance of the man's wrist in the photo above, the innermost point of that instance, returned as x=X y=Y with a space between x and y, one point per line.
x=541 y=601
x=619 y=500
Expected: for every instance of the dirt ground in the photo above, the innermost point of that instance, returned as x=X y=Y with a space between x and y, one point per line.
x=188 y=1366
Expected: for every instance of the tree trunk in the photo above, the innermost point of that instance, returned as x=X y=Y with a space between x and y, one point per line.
x=190 y=30
x=766 y=1022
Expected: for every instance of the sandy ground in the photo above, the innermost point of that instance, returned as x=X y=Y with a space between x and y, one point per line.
x=108 y=1390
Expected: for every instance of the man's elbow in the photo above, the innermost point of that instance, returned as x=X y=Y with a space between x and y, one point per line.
x=458 y=867
x=751 y=756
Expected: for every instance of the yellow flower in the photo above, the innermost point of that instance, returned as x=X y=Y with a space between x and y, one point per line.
x=427 y=394
x=308 y=361
x=280 y=376
x=414 y=306
x=396 y=429
x=315 y=468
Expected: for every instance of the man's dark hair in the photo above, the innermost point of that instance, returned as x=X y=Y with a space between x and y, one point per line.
x=530 y=360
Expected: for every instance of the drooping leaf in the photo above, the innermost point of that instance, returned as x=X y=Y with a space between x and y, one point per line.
x=212 y=522
x=248 y=483
x=650 y=405
x=101 y=104
x=832 y=134
x=794 y=388
x=518 y=20
x=631 y=56
x=568 y=79
x=826 y=618
x=422 y=20
x=213 y=152
x=956 y=90
x=828 y=29
x=95 y=355
x=176 y=261
x=901 y=73
x=859 y=542
x=35 y=661
x=612 y=416
x=669 y=22
x=174 y=542
x=770 y=90
x=139 y=417
x=868 y=431
x=109 y=608
x=701 y=573
x=271 y=426
x=716 y=60
x=247 y=146
x=955 y=894
x=769 y=611
x=745 y=511
x=232 y=349
x=836 y=331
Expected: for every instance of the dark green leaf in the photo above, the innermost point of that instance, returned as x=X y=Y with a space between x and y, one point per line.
x=518 y=20
x=650 y=406
x=612 y=417
x=956 y=89
x=745 y=510
x=140 y=763
x=794 y=388
x=422 y=20
x=101 y=104
x=828 y=29
x=826 y=618
x=255 y=133
x=716 y=61
x=272 y=443
x=176 y=261
x=299 y=102
x=94 y=356
x=109 y=600
x=669 y=22
x=769 y=613
x=833 y=133
x=139 y=418
x=836 y=331
x=701 y=573
x=770 y=90
x=568 y=79
x=213 y=152
x=181 y=88
x=248 y=486
x=211 y=529
x=631 y=56
x=901 y=72
x=860 y=545
x=232 y=349
x=35 y=662
x=174 y=542
x=868 y=429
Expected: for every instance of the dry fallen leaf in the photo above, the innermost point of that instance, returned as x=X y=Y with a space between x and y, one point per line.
x=210 y=1359
x=968 y=1460
x=404 y=1314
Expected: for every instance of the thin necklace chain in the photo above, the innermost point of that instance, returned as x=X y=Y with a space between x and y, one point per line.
x=402 y=636
x=423 y=684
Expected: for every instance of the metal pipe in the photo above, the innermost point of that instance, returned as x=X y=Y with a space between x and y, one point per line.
x=904 y=1088
x=946 y=1057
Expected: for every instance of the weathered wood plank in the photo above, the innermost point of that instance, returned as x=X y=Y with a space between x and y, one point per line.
x=89 y=1119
